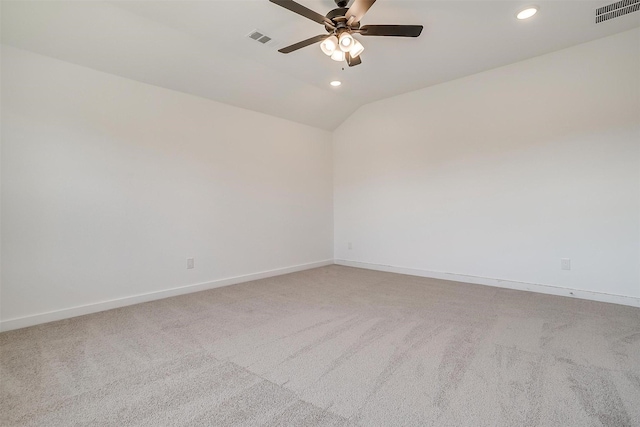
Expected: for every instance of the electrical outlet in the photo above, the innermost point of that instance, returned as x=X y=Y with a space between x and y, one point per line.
x=190 y=263
x=565 y=264
x=349 y=245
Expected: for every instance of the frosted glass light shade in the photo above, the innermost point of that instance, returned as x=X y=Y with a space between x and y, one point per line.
x=357 y=49
x=338 y=55
x=346 y=42
x=329 y=45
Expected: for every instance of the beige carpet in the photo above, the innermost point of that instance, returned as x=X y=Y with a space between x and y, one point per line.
x=334 y=346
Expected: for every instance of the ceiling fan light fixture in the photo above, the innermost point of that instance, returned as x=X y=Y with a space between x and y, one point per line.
x=329 y=45
x=346 y=42
x=338 y=55
x=527 y=13
x=357 y=49
x=341 y=24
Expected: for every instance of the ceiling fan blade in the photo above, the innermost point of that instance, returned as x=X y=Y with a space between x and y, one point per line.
x=303 y=43
x=304 y=11
x=391 y=30
x=358 y=9
x=352 y=62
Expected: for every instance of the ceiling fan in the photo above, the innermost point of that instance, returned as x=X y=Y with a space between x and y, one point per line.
x=341 y=24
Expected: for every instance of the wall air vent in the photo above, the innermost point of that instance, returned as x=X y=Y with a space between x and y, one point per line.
x=261 y=38
x=616 y=9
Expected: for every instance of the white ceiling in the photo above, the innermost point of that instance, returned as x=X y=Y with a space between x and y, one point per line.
x=202 y=48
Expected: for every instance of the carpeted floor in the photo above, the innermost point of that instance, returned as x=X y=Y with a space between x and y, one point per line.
x=333 y=346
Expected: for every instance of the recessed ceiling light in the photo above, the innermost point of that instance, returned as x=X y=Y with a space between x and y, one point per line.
x=335 y=83
x=527 y=13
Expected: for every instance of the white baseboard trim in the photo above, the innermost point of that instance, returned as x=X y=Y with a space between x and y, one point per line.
x=51 y=316
x=487 y=281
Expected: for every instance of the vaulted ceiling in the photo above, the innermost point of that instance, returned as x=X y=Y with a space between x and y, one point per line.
x=202 y=48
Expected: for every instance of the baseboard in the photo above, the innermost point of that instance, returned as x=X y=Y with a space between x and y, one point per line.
x=51 y=316
x=509 y=284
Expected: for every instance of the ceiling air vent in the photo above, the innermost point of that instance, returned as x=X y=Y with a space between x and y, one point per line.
x=261 y=38
x=616 y=9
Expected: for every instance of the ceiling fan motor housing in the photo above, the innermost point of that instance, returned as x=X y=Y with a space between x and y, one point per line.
x=338 y=17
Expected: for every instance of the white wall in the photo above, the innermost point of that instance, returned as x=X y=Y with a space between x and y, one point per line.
x=108 y=185
x=501 y=174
